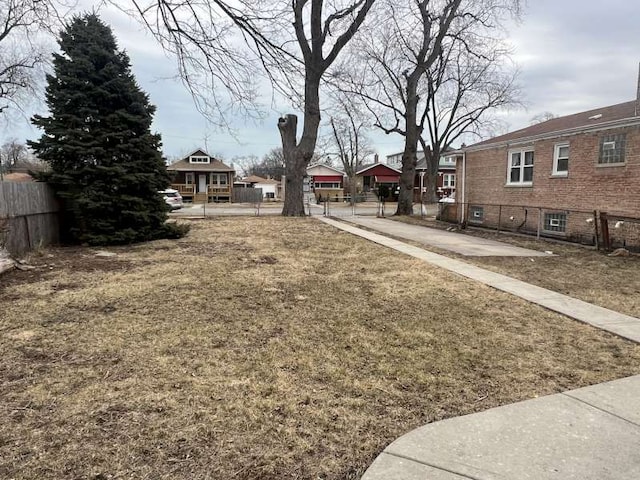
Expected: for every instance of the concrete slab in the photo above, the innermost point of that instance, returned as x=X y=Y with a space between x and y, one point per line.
x=620 y=398
x=6 y=264
x=391 y=467
x=553 y=437
x=451 y=241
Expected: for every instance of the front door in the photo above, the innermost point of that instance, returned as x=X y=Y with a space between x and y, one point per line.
x=202 y=183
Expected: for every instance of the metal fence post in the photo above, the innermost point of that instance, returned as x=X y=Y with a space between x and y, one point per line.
x=499 y=216
x=539 y=222
x=595 y=226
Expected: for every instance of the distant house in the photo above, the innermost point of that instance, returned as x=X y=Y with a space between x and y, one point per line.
x=446 y=182
x=582 y=162
x=17 y=177
x=325 y=181
x=370 y=177
x=271 y=189
x=200 y=177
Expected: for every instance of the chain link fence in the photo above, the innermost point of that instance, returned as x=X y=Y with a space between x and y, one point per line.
x=587 y=227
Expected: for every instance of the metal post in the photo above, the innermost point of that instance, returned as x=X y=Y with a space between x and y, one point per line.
x=604 y=227
x=499 y=216
x=595 y=226
x=539 y=222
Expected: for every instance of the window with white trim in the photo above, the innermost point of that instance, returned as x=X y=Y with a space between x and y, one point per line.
x=326 y=185
x=219 y=179
x=561 y=159
x=555 y=222
x=198 y=159
x=520 y=167
x=450 y=160
x=188 y=178
x=476 y=214
x=449 y=180
x=612 y=149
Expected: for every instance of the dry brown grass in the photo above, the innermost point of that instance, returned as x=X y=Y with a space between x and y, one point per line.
x=581 y=272
x=261 y=348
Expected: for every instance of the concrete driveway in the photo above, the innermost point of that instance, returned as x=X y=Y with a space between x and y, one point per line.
x=455 y=242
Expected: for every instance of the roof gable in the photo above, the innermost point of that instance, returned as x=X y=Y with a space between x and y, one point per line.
x=322 y=169
x=366 y=168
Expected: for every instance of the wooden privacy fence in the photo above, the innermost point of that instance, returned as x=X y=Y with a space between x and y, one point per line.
x=28 y=216
x=246 y=195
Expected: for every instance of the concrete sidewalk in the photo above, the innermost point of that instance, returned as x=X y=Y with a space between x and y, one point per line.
x=592 y=433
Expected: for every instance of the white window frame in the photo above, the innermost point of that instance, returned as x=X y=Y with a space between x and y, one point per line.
x=214 y=179
x=327 y=185
x=449 y=180
x=189 y=178
x=523 y=153
x=450 y=160
x=556 y=157
x=199 y=159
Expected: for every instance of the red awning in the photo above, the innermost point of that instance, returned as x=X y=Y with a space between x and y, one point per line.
x=387 y=178
x=327 y=178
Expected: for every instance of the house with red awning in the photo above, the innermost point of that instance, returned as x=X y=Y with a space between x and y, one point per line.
x=325 y=181
x=370 y=177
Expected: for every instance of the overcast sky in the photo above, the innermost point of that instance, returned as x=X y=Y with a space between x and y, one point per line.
x=573 y=55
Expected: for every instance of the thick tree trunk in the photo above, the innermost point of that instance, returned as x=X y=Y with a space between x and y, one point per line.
x=295 y=167
x=409 y=156
x=298 y=155
x=433 y=160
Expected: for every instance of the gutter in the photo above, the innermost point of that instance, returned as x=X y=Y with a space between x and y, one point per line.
x=464 y=187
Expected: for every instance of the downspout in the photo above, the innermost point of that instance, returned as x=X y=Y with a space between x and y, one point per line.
x=463 y=197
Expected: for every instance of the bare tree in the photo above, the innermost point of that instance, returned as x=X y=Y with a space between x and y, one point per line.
x=16 y=157
x=542 y=117
x=289 y=40
x=408 y=64
x=270 y=166
x=349 y=138
x=23 y=25
x=463 y=90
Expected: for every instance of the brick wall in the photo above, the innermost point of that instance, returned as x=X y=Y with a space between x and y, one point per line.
x=587 y=186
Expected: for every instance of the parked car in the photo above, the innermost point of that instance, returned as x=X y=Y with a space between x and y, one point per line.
x=172 y=198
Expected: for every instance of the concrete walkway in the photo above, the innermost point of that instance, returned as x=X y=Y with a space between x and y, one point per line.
x=454 y=242
x=592 y=433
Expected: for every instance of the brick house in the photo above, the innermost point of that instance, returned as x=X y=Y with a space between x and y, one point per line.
x=446 y=181
x=369 y=178
x=552 y=176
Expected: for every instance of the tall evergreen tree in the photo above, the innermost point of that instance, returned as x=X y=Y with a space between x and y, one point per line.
x=106 y=165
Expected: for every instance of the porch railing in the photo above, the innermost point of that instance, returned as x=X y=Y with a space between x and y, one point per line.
x=190 y=189
x=218 y=189
x=183 y=188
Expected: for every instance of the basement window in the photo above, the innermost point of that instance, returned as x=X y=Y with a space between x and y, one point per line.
x=476 y=214
x=555 y=222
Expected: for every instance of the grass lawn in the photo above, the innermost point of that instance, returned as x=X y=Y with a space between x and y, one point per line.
x=261 y=348
x=581 y=272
